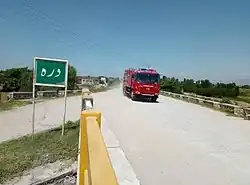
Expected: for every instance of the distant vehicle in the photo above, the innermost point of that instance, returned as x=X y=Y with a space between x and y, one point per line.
x=103 y=81
x=141 y=83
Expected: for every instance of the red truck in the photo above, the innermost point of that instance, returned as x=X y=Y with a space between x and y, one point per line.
x=141 y=83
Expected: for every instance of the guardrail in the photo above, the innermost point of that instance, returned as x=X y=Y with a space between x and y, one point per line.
x=204 y=97
x=94 y=165
x=234 y=109
x=48 y=94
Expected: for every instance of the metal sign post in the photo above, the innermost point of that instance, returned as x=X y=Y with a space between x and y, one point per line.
x=65 y=99
x=33 y=102
x=52 y=73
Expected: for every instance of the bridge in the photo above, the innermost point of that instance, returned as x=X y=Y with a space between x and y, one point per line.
x=169 y=142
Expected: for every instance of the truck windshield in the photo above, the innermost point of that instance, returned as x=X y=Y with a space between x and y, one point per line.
x=147 y=78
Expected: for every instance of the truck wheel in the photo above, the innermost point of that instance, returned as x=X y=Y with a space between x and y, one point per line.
x=133 y=97
x=153 y=99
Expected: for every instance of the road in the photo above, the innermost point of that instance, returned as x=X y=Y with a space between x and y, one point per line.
x=171 y=142
x=178 y=143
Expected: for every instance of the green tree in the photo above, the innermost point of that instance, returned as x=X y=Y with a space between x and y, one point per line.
x=20 y=79
x=171 y=84
x=26 y=80
x=200 y=87
x=72 y=77
x=189 y=85
x=16 y=79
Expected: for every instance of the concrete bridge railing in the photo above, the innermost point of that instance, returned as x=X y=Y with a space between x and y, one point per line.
x=234 y=109
x=40 y=94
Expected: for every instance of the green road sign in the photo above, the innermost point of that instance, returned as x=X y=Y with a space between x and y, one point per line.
x=50 y=72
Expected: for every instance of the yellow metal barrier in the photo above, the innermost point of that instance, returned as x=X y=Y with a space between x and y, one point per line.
x=94 y=163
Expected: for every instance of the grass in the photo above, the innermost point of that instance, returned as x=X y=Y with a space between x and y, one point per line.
x=22 y=154
x=244 y=96
x=245 y=99
x=13 y=104
x=245 y=92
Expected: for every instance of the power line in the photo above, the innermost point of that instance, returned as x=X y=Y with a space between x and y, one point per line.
x=74 y=35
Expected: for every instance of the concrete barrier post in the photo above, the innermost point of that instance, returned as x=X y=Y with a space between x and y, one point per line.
x=11 y=95
x=3 y=97
x=216 y=105
x=87 y=102
x=247 y=113
x=201 y=101
x=248 y=117
x=87 y=99
x=238 y=111
x=40 y=94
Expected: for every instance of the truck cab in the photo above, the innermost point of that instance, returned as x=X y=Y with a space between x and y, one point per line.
x=142 y=83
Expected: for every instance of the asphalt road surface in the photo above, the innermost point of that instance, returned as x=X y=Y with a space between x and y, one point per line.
x=167 y=143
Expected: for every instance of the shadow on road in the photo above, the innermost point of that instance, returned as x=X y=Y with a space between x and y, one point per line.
x=143 y=100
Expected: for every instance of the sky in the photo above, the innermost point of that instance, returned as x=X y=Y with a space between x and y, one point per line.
x=182 y=38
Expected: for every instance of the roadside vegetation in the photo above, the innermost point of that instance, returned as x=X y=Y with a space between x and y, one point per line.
x=225 y=93
x=20 y=80
x=13 y=104
x=22 y=154
x=244 y=95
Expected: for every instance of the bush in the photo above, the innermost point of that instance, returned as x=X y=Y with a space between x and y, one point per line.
x=200 y=87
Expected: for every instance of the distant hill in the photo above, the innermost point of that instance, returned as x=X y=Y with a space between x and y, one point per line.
x=245 y=81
